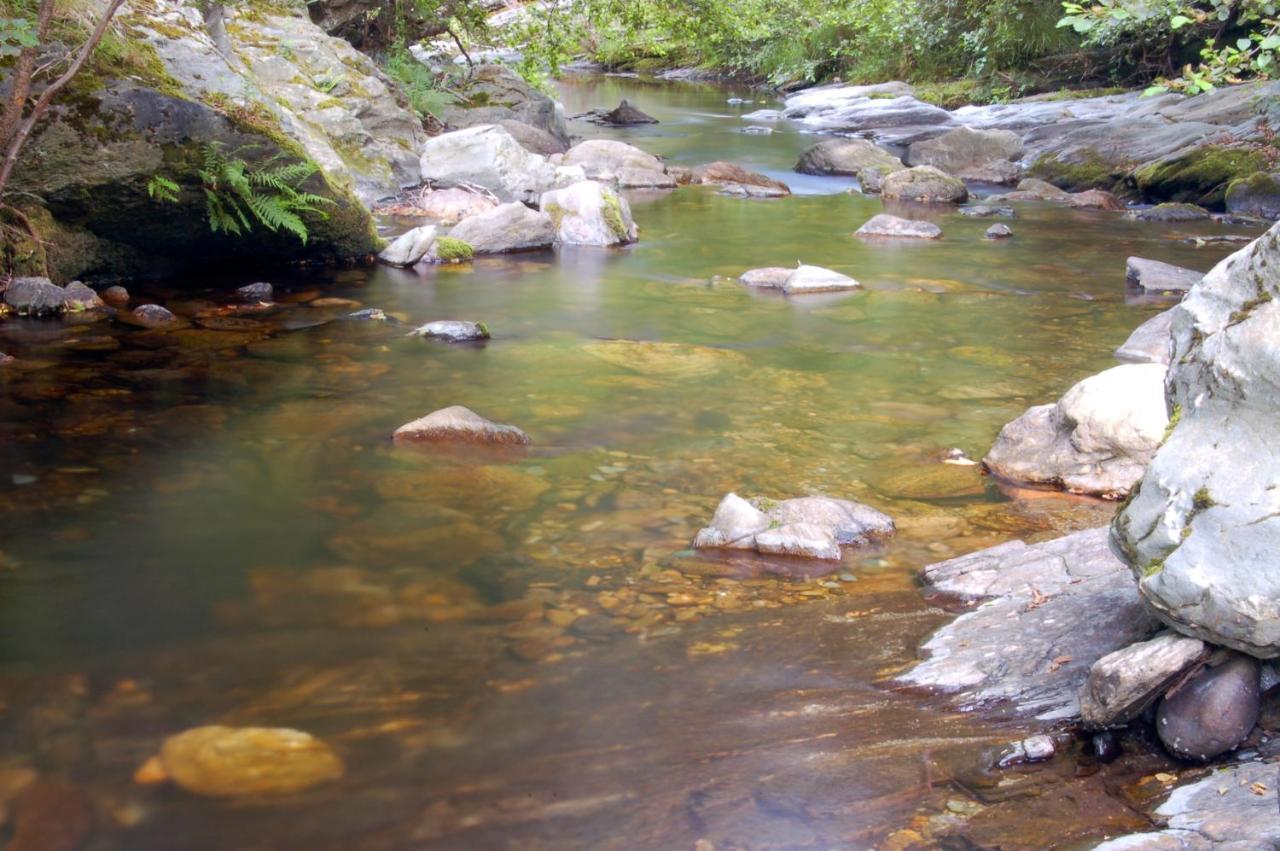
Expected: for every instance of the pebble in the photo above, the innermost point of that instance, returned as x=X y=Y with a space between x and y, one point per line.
x=227 y=762
x=999 y=232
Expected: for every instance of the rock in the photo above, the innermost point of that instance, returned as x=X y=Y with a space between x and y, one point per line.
x=859 y=158
x=1124 y=683
x=998 y=232
x=1257 y=195
x=589 y=213
x=810 y=527
x=34 y=297
x=409 y=247
x=153 y=316
x=1154 y=277
x=1049 y=612
x=641 y=178
x=6 y=359
x=371 y=314
x=488 y=156
x=1202 y=531
x=116 y=296
x=926 y=185
x=1033 y=749
x=452 y=331
x=1041 y=190
x=772 y=277
x=460 y=424
x=886 y=111
x=985 y=155
x=727 y=174
x=49 y=815
x=505 y=228
x=1105 y=747
x=815 y=279
x=496 y=94
x=77 y=296
x=1097 y=439
x=1170 y=212
x=1094 y=199
x=1150 y=342
x=1213 y=712
x=256 y=293
x=741 y=190
x=247 y=762
x=623 y=115
x=533 y=139
x=885 y=225
x=1221 y=811
x=983 y=211
x=452 y=205
x=607 y=160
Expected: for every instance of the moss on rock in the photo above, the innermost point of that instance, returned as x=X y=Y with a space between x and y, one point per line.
x=1201 y=176
x=1088 y=171
x=453 y=250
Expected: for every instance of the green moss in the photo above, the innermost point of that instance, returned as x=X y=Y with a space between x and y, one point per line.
x=951 y=95
x=1152 y=567
x=1200 y=177
x=1249 y=306
x=613 y=216
x=1090 y=172
x=1202 y=501
x=453 y=250
x=1174 y=419
x=1081 y=94
x=556 y=212
x=1259 y=184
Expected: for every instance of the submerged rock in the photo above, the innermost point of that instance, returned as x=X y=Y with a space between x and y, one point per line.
x=589 y=213
x=1097 y=439
x=1033 y=749
x=1170 y=212
x=1153 y=276
x=623 y=115
x=1213 y=712
x=998 y=232
x=153 y=316
x=885 y=225
x=34 y=297
x=254 y=293
x=461 y=424
x=246 y=762
x=730 y=175
x=506 y=228
x=452 y=331
x=409 y=247
x=810 y=527
x=983 y=211
x=1051 y=610
x=1124 y=683
x=926 y=185
x=816 y=279
x=1150 y=342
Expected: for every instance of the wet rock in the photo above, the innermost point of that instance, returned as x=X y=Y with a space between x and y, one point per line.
x=1097 y=439
x=1094 y=199
x=34 y=297
x=1049 y=612
x=153 y=316
x=676 y=360
x=534 y=139
x=1203 y=529
x=771 y=277
x=1105 y=746
x=1150 y=342
x=454 y=204
x=1033 y=749
x=6 y=359
x=1124 y=683
x=811 y=527
x=623 y=115
x=506 y=228
x=410 y=247
x=1213 y=712
x=728 y=174
x=507 y=100
x=983 y=211
x=589 y=213
x=985 y=155
x=1257 y=195
x=50 y=816
x=608 y=160
x=256 y=293
x=886 y=110
x=1170 y=212
x=487 y=155
x=859 y=158
x=885 y=225
x=747 y=190
x=247 y=762
x=371 y=314
x=1034 y=189
x=453 y=331
x=1234 y=808
x=116 y=296
x=926 y=185
x=816 y=279
x=80 y=297
x=998 y=232
x=460 y=424
x=1153 y=276
x=643 y=178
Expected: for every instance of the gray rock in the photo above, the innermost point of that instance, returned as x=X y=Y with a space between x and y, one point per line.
x=1204 y=527
x=534 y=139
x=810 y=527
x=998 y=232
x=985 y=155
x=116 y=296
x=926 y=185
x=1094 y=199
x=78 y=296
x=506 y=97
x=1220 y=811
x=1032 y=749
x=452 y=205
x=605 y=160
x=409 y=247
x=641 y=178
x=458 y=423
x=1257 y=195
x=1153 y=276
x=255 y=293
x=982 y=211
x=749 y=190
x=771 y=277
x=1049 y=612
x=488 y=156
x=859 y=158
x=1041 y=190
x=1170 y=212
x=1213 y=712
x=371 y=314
x=1124 y=683
x=1097 y=439
x=858 y=109
x=589 y=213
x=623 y=115
x=885 y=225
x=736 y=178
x=153 y=316
x=1150 y=342
x=816 y=279
x=506 y=228
x=34 y=297
x=452 y=331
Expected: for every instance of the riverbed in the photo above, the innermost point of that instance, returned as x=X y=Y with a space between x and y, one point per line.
x=211 y=525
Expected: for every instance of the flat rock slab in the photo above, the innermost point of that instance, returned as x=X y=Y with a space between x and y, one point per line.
x=1150 y=342
x=1051 y=610
x=816 y=279
x=1153 y=276
x=452 y=331
x=771 y=277
x=1124 y=683
x=459 y=423
x=809 y=527
x=506 y=228
x=887 y=226
x=1224 y=810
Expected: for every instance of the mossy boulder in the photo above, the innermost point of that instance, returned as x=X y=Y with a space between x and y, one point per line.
x=494 y=94
x=1255 y=195
x=1200 y=176
x=1083 y=170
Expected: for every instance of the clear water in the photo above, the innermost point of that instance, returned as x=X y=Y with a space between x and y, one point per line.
x=517 y=651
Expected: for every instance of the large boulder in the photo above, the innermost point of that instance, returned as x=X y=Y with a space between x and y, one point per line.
x=1213 y=711
x=245 y=762
x=859 y=158
x=1097 y=439
x=495 y=94
x=34 y=296
x=1256 y=195
x=984 y=155
x=885 y=225
x=506 y=228
x=1150 y=342
x=926 y=185
x=589 y=213
x=610 y=161
x=811 y=527
x=1203 y=529
x=410 y=247
x=488 y=156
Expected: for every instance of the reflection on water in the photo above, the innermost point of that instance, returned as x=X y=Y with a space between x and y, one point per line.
x=210 y=525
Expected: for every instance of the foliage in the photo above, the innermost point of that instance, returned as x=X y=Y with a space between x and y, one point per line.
x=16 y=34
x=425 y=89
x=162 y=189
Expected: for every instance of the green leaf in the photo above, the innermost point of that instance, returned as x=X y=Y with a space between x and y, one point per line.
x=1177 y=22
x=1244 y=43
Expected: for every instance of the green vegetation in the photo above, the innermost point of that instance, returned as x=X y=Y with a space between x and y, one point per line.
x=452 y=250
x=426 y=92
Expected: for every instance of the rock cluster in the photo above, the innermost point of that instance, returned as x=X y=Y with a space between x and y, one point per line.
x=810 y=527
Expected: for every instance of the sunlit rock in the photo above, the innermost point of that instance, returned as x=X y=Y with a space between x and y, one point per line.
x=589 y=213
x=816 y=279
x=452 y=331
x=926 y=185
x=810 y=527
x=410 y=247
x=506 y=228
x=247 y=762
x=885 y=225
x=1150 y=342
x=1124 y=683
x=461 y=424
x=1154 y=276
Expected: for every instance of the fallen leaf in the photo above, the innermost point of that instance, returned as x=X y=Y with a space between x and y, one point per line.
x=1259 y=789
x=1058 y=663
x=1165 y=777
x=1037 y=600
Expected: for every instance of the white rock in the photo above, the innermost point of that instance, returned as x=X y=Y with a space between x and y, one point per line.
x=410 y=247
x=487 y=155
x=459 y=423
x=589 y=213
x=816 y=279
